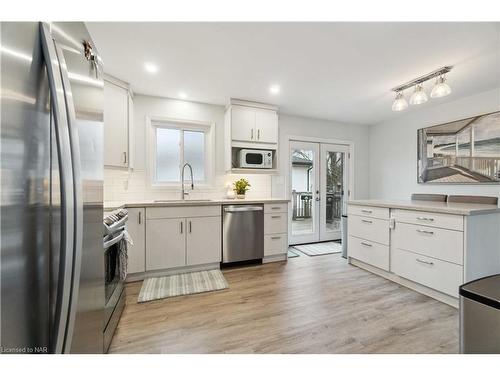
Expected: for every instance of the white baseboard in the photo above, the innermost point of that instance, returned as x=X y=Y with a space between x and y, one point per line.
x=172 y=271
x=275 y=258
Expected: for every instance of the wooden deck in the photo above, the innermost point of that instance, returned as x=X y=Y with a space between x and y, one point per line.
x=306 y=305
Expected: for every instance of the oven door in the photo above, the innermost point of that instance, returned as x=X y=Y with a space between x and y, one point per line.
x=113 y=283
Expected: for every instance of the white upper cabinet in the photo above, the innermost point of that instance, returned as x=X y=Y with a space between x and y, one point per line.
x=266 y=124
x=117 y=125
x=242 y=123
x=251 y=124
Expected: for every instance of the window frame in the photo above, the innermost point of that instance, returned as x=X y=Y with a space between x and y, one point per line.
x=208 y=128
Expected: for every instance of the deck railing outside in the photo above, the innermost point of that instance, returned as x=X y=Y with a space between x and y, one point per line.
x=302 y=205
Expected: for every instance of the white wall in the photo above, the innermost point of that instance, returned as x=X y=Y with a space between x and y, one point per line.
x=309 y=127
x=121 y=185
x=393 y=148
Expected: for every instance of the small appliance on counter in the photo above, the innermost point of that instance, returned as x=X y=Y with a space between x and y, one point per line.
x=480 y=316
x=248 y=158
x=114 y=236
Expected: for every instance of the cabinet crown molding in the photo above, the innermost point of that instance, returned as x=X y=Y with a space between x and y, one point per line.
x=248 y=103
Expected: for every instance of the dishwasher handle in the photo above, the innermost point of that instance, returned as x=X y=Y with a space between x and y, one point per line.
x=243 y=208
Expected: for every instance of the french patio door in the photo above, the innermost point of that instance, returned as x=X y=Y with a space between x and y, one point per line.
x=333 y=189
x=318 y=183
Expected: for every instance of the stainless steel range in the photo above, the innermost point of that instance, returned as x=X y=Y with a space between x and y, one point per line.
x=114 y=292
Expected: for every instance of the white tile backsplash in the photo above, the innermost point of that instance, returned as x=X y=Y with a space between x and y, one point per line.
x=123 y=185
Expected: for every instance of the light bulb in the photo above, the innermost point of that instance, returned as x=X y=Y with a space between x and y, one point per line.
x=441 y=88
x=400 y=102
x=419 y=96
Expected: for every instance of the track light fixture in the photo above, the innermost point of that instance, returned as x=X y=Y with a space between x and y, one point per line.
x=419 y=96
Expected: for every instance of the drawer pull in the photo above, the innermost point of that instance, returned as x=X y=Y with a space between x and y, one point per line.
x=421 y=218
x=366 y=244
x=425 y=231
x=276 y=238
x=275 y=208
x=425 y=262
x=366 y=211
x=275 y=217
x=367 y=221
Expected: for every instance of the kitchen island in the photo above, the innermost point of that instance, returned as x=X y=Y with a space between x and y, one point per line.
x=431 y=247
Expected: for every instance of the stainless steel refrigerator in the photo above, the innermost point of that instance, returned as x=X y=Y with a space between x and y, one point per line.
x=52 y=272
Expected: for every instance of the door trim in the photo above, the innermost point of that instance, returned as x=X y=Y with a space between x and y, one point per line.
x=318 y=140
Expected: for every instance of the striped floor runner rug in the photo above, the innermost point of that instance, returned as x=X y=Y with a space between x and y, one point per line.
x=321 y=248
x=178 y=285
x=291 y=253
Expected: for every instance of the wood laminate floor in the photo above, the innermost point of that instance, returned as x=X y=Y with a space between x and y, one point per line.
x=306 y=305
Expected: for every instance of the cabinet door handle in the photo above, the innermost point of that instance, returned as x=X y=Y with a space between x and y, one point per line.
x=181 y=228
x=276 y=238
x=421 y=218
x=139 y=217
x=275 y=208
x=190 y=226
x=366 y=244
x=425 y=231
x=124 y=157
x=275 y=217
x=251 y=134
x=425 y=262
x=258 y=133
x=366 y=211
x=367 y=221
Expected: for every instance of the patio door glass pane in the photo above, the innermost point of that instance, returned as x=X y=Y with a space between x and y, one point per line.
x=303 y=187
x=334 y=189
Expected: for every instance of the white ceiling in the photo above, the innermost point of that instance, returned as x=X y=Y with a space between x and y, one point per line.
x=336 y=71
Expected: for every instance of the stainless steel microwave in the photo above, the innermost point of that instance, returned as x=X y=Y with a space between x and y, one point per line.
x=248 y=158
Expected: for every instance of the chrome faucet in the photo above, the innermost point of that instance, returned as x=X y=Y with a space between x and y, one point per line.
x=184 y=193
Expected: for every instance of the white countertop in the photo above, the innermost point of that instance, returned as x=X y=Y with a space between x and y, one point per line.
x=114 y=205
x=429 y=206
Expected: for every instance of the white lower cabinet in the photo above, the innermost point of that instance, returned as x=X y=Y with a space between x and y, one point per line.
x=369 y=252
x=182 y=241
x=437 y=274
x=203 y=238
x=136 y=227
x=275 y=231
x=165 y=243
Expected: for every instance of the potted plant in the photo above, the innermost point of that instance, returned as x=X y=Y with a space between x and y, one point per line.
x=240 y=187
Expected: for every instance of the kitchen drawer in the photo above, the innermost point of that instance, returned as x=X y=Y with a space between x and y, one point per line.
x=447 y=221
x=275 y=244
x=377 y=212
x=436 y=274
x=275 y=223
x=371 y=229
x=438 y=243
x=270 y=208
x=186 y=211
x=369 y=252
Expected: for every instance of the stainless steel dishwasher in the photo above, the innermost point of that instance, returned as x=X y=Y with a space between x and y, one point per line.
x=242 y=233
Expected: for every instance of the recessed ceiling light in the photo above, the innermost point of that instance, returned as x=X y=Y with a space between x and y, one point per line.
x=150 y=68
x=274 y=89
x=182 y=95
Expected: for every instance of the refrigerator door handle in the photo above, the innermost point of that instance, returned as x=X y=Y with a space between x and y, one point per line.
x=78 y=199
x=63 y=297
